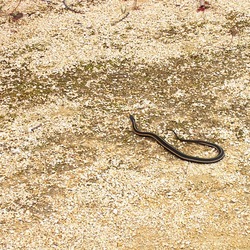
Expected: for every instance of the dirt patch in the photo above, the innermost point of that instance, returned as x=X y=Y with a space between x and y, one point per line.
x=73 y=175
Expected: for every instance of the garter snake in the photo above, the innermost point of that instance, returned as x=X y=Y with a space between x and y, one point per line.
x=178 y=153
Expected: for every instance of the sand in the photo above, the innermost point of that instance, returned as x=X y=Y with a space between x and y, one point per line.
x=73 y=175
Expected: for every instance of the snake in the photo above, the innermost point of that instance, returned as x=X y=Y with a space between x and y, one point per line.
x=220 y=152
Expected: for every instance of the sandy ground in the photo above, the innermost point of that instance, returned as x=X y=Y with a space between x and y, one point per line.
x=73 y=175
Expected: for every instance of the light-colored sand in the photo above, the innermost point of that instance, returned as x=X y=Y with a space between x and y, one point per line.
x=73 y=175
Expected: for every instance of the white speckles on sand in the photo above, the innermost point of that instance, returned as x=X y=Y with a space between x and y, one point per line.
x=72 y=173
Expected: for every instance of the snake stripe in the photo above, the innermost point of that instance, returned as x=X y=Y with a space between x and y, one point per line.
x=178 y=153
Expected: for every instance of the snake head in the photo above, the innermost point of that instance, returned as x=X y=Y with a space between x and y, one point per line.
x=132 y=118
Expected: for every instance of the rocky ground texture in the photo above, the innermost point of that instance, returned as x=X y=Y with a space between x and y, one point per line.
x=73 y=175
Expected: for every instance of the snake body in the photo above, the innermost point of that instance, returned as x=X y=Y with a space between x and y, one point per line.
x=178 y=153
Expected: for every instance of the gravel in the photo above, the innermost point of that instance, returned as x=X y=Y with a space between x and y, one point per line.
x=72 y=173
